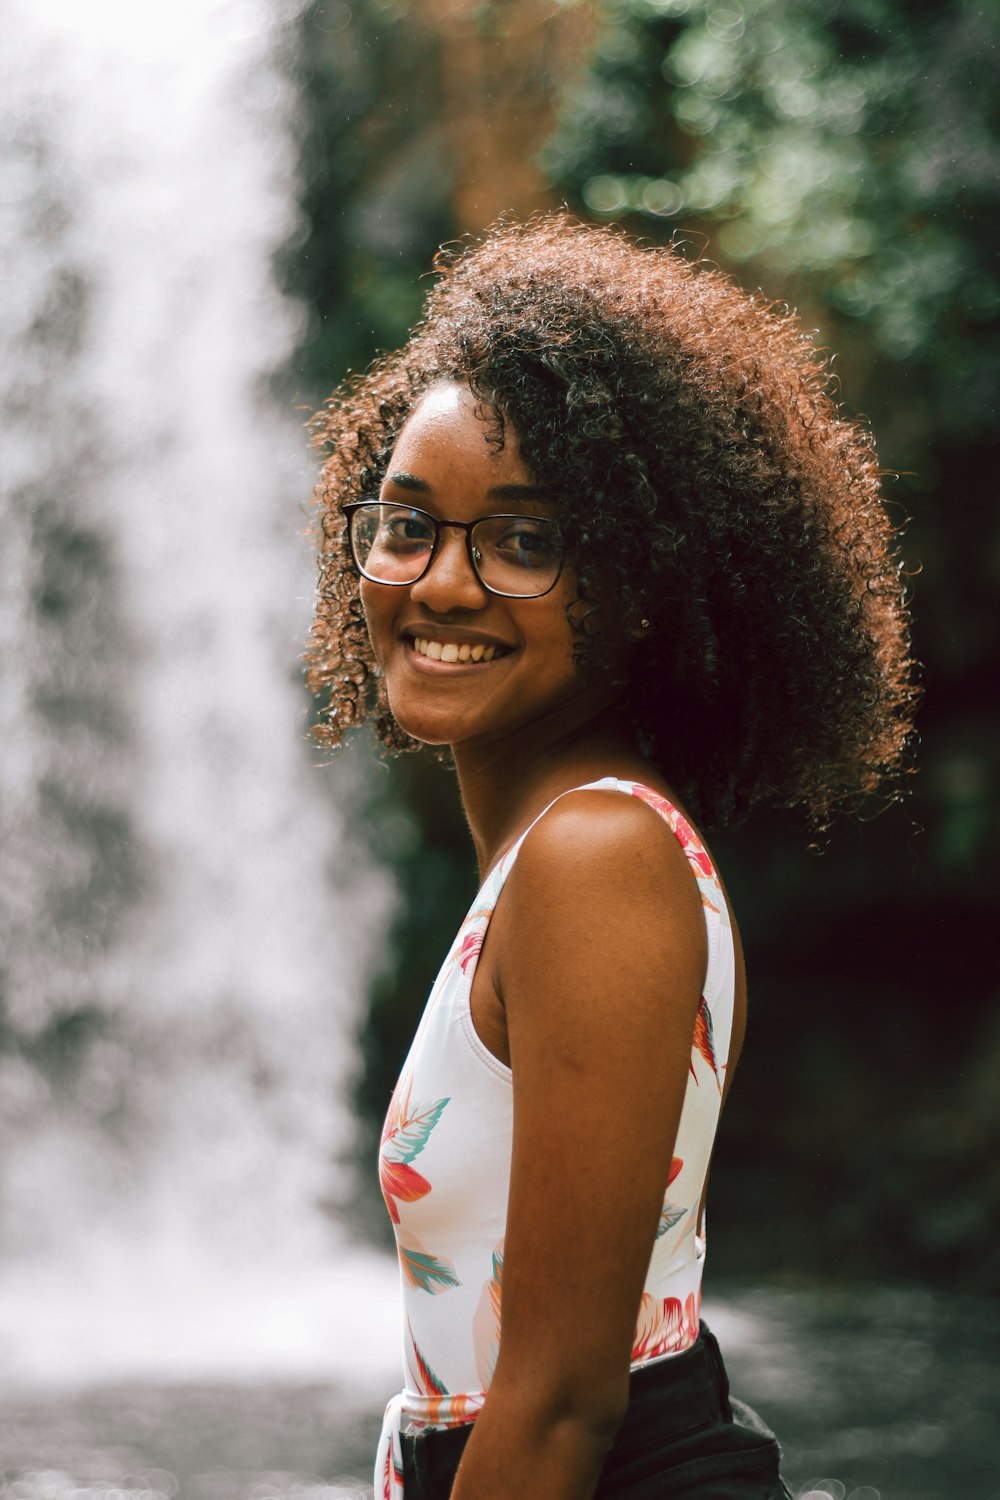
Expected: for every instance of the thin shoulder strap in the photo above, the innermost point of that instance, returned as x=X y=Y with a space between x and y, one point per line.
x=709 y=886
x=697 y=855
x=715 y=1012
x=494 y=881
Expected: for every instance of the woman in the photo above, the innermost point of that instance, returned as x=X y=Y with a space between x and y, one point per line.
x=598 y=529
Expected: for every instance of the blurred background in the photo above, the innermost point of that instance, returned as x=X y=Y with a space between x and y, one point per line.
x=214 y=942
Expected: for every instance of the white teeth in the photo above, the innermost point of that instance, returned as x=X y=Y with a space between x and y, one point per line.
x=451 y=652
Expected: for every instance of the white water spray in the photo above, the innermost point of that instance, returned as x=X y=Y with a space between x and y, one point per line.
x=169 y=882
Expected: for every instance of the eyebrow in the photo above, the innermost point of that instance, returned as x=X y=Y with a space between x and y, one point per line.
x=512 y=492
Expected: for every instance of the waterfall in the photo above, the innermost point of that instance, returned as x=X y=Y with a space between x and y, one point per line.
x=183 y=953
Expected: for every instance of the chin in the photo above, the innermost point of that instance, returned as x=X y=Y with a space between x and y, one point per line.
x=426 y=729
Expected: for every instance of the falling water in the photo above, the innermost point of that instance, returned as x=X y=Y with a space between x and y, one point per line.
x=182 y=956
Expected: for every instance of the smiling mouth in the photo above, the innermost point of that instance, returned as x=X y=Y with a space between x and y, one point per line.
x=449 y=651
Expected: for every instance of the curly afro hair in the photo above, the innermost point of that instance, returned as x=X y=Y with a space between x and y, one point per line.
x=702 y=477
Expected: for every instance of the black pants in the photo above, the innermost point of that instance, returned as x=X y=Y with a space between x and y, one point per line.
x=682 y=1438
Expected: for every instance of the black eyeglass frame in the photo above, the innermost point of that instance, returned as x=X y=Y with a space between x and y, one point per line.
x=468 y=527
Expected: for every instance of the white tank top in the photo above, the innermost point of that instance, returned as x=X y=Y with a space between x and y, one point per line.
x=444 y=1169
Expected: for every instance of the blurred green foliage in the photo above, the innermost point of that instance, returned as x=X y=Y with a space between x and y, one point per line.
x=375 y=185
x=841 y=155
x=846 y=149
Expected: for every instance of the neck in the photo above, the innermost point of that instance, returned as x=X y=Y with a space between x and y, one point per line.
x=505 y=785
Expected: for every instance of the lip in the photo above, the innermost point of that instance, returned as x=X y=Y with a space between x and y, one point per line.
x=453 y=635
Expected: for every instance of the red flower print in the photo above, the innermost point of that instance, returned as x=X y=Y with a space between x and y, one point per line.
x=471 y=945
x=405 y=1133
x=704 y=1040
x=398 y=1179
x=664 y=1327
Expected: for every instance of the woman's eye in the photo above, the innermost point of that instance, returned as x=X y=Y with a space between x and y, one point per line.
x=409 y=529
x=528 y=543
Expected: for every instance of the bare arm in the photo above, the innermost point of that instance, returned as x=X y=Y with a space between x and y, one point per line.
x=600 y=956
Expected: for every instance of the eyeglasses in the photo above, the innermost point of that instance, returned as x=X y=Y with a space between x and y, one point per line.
x=517 y=557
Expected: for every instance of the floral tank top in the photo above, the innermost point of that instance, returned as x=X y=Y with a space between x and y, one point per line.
x=444 y=1169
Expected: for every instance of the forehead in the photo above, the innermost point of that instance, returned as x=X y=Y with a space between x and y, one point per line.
x=446 y=431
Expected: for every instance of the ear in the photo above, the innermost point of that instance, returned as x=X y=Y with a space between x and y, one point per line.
x=639 y=631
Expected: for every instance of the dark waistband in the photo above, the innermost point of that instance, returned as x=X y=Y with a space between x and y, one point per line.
x=677 y=1394
x=684 y=1391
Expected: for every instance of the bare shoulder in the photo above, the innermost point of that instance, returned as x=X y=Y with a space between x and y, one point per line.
x=598 y=875
x=608 y=842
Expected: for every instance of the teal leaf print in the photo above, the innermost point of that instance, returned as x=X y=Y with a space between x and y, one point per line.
x=669 y=1216
x=429 y=1273
x=413 y=1131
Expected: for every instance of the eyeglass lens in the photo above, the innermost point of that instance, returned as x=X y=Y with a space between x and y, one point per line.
x=516 y=555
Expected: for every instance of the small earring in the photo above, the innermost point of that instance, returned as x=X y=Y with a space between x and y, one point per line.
x=643 y=624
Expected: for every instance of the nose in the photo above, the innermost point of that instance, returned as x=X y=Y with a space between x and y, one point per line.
x=450 y=582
